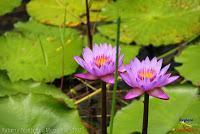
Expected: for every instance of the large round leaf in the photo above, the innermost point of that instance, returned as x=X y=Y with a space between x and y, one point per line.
x=34 y=113
x=163 y=115
x=189 y=122
x=129 y=51
x=28 y=107
x=154 y=21
x=8 y=88
x=34 y=51
x=8 y=5
x=53 y=11
x=190 y=63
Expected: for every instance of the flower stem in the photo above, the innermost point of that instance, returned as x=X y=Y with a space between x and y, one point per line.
x=104 y=109
x=116 y=76
x=89 y=33
x=145 y=114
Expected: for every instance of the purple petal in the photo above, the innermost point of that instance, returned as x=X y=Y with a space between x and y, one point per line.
x=120 y=60
x=95 y=71
x=146 y=84
x=158 y=65
x=87 y=54
x=154 y=61
x=158 y=93
x=160 y=80
x=109 y=68
x=80 y=61
x=126 y=78
x=153 y=64
x=147 y=60
x=122 y=69
x=133 y=93
x=170 y=80
x=103 y=70
x=86 y=76
x=164 y=70
x=108 y=78
x=135 y=63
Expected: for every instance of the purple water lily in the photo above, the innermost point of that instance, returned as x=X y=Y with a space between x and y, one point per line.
x=147 y=77
x=99 y=63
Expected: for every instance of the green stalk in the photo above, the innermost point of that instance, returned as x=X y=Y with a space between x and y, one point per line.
x=116 y=76
x=43 y=52
x=63 y=50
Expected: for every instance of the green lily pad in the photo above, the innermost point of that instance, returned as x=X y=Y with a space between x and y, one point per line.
x=8 y=88
x=189 y=122
x=54 y=11
x=34 y=51
x=8 y=5
x=28 y=107
x=163 y=115
x=190 y=63
x=154 y=22
x=129 y=51
x=34 y=113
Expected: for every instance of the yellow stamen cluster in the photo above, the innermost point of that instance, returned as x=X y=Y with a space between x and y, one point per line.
x=101 y=60
x=146 y=74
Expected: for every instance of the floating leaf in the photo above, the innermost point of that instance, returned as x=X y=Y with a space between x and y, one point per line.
x=154 y=21
x=129 y=51
x=34 y=113
x=164 y=114
x=34 y=51
x=190 y=120
x=54 y=11
x=8 y=5
x=27 y=107
x=8 y=88
x=190 y=59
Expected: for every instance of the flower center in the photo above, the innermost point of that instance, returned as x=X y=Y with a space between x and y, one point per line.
x=147 y=74
x=101 y=60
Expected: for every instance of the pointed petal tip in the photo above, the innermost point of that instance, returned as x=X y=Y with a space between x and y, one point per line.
x=165 y=98
x=134 y=61
x=158 y=93
x=128 y=98
x=86 y=76
x=160 y=61
x=136 y=58
x=176 y=77
x=155 y=58
x=147 y=59
x=76 y=57
x=78 y=75
x=172 y=79
x=133 y=93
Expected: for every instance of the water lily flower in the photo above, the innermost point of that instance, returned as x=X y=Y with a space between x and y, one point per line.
x=99 y=63
x=148 y=77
